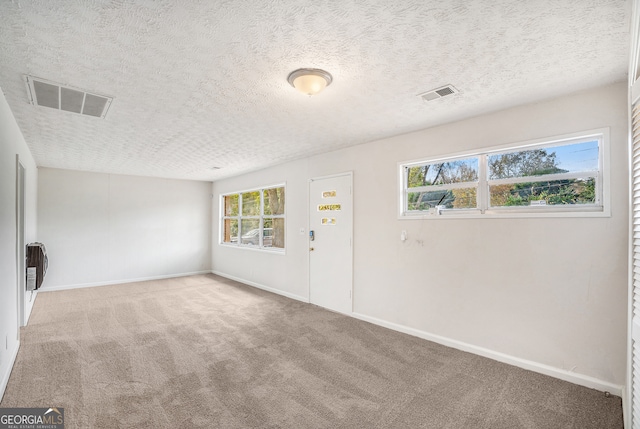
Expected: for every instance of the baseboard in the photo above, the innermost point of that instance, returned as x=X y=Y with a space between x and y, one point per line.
x=260 y=286
x=572 y=377
x=117 y=282
x=626 y=409
x=7 y=374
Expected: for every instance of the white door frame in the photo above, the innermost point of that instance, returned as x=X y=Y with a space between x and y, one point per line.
x=309 y=243
x=20 y=242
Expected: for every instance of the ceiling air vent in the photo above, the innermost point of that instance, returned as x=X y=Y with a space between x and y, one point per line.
x=50 y=94
x=437 y=93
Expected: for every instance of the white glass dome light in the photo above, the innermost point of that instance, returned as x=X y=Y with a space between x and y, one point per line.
x=309 y=81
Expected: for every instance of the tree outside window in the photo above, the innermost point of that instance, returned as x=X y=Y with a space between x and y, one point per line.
x=542 y=177
x=254 y=218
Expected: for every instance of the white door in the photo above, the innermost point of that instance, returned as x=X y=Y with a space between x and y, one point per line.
x=330 y=247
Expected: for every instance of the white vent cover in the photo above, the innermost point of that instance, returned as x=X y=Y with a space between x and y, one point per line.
x=437 y=93
x=50 y=94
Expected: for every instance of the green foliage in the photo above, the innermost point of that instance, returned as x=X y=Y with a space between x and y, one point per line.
x=274 y=205
x=273 y=226
x=426 y=200
x=557 y=192
x=536 y=162
x=417 y=176
x=274 y=201
x=251 y=203
x=440 y=173
x=231 y=205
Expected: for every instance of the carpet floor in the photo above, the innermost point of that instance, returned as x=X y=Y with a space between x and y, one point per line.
x=207 y=352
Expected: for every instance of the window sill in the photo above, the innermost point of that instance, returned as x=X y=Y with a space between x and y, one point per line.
x=276 y=251
x=589 y=212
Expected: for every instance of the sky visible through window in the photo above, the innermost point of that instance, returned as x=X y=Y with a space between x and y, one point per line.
x=563 y=173
x=566 y=158
x=577 y=157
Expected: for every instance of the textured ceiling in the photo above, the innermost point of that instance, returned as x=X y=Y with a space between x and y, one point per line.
x=200 y=84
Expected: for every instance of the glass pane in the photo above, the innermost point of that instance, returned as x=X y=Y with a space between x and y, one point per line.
x=250 y=204
x=551 y=160
x=548 y=193
x=273 y=233
x=251 y=231
x=230 y=233
x=274 y=201
x=458 y=171
x=231 y=205
x=464 y=198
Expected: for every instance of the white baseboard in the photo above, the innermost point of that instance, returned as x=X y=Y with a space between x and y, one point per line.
x=7 y=372
x=117 y=282
x=626 y=409
x=572 y=377
x=260 y=286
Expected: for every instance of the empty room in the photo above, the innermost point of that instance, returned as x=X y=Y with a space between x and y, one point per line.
x=296 y=214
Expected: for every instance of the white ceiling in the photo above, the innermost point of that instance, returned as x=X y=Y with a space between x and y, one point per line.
x=200 y=84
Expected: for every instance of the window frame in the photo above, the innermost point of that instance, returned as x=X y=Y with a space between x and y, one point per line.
x=601 y=207
x=260 y=217
x=444 y=186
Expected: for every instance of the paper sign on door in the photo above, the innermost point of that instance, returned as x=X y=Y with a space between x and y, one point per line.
x=329 y=207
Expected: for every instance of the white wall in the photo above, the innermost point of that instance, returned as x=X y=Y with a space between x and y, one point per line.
x=547 y=294
x=11 y=143
x=282 y=273
x=105 y=228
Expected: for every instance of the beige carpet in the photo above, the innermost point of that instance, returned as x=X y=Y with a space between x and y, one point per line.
x=207 y=352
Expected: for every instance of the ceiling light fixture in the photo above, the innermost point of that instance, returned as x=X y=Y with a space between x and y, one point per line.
x=309 y=81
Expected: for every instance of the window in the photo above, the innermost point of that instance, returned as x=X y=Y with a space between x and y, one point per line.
x=563 y=176
x=254 y=218
x=446 y=184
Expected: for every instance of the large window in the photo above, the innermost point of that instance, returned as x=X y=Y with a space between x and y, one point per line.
x=254 y=218
x=558 y=176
